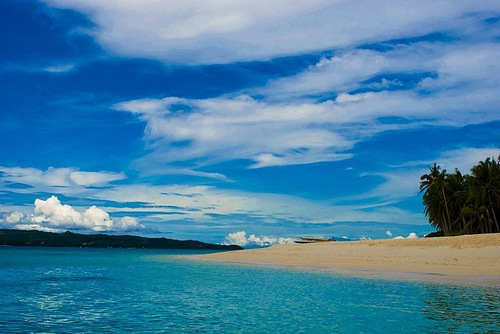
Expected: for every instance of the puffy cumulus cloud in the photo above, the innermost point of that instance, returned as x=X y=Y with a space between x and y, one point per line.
x=240 y=238
x=52 y=215
x=127 y=223
x=58 y=177
x=55 y=213
x=237 y=238
x=221 y=31
x=97 y=219
x=14 y=217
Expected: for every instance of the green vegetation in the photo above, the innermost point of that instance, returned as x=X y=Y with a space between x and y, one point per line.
x=463 y=204
x=69 y=239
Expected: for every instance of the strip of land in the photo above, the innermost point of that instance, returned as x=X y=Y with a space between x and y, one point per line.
x=469 y=259
x=69 y=239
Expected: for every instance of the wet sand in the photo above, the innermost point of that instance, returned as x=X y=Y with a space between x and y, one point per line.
x=470 y=259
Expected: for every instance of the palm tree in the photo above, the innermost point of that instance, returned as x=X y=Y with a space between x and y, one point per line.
x=435 y=200
x=485 y=194
x=457 y=204
x=456 y=192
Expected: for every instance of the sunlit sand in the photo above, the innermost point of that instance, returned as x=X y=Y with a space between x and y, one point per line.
x=470 y=259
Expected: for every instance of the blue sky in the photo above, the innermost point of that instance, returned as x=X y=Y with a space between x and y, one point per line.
x=197 y=120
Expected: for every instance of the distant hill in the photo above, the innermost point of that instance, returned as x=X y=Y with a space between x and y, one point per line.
x=69 y=239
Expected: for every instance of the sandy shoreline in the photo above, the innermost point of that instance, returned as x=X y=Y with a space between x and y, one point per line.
x=470 y=259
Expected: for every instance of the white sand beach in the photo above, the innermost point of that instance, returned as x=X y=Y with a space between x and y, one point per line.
x=469 y=259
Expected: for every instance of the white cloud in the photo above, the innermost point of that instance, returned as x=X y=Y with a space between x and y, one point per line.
x=398 y=184
x=55 y=213
x=203 y=207
x=237 y=238
x=289 y=127
x=223 y=31
x=412 y=235
x=160 y=169
x=344 y=71
x=126 y=223
x=466 y=158
x=55 y=177
x=210 y=205
x=58 y=177
x=222 y=129
x=14 y=217
x=52 y=215
x=277 y=134
x=452 y=69
x=402 y=181
x=95 y=178
x=288 y=124
x=60 y=68
x=37 y=227
x=240 y=238
x=97 y=219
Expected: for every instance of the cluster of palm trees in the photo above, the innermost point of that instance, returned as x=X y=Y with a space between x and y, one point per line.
x=463 y=204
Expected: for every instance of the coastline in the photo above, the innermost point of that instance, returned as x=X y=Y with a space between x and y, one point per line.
x=463 y=260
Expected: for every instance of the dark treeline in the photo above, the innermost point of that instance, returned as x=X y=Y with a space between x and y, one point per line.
x=463 y=204
x=69 y=239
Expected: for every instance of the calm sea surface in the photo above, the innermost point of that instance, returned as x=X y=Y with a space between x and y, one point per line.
x=65 y=290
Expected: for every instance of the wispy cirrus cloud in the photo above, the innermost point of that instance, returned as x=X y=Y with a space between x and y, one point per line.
x=58 y=177
x=164 y=203
x=228 y=207
x=63 y=68
x=303 y=130
x=225 y=31
x=222 y=129
x=402 y=181
x=381 y=68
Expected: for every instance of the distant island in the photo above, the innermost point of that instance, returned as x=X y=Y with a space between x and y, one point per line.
x=69 y=239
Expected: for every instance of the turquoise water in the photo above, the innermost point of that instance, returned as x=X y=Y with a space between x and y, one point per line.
x=64 y=290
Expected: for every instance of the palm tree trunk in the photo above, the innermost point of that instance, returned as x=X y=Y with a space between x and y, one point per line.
x=496 y=221
x=447 y=211
x=445 y=226
x=488 y=221
x=494 y=215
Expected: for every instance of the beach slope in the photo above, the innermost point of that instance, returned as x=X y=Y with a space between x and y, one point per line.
x=468 y=259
